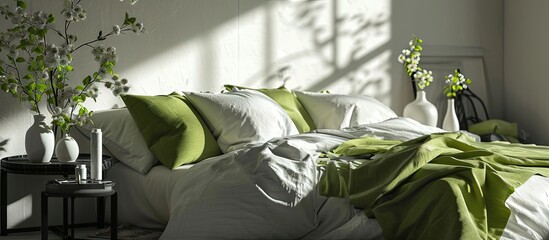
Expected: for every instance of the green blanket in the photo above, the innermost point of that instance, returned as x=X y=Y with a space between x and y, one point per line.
x=440 y=186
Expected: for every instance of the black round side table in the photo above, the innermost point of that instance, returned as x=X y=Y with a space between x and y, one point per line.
x=21 y=165
x=73 y=191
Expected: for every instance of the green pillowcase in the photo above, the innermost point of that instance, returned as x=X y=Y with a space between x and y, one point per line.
x=171 y=127
x=289 y=102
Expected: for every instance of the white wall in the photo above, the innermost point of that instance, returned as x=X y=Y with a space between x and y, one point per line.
x=526 y=64
x=346 y=46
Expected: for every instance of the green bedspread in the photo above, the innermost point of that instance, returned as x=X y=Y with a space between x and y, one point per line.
x=440 y=186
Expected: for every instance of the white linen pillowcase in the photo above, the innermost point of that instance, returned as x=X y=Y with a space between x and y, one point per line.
x=336 y=111
x=242 y=117
x=122 y=138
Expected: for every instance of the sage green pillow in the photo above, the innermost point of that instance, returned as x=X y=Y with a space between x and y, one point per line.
x=289 y=102
x=171 y=127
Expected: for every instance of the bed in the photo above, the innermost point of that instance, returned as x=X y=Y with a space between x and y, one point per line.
x=282 y=164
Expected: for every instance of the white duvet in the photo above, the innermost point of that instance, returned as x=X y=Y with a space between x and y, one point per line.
x=266 y=191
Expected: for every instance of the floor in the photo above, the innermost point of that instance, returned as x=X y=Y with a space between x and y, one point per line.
x=81 y=233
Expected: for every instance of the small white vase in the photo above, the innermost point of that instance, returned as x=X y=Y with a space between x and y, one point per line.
x=422 y=110
x=67 y=149
x=39 y=140
x=451 y=122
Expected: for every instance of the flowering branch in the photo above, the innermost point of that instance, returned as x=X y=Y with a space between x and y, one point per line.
x=455 y=83
x=410 y=58
x=47 y=65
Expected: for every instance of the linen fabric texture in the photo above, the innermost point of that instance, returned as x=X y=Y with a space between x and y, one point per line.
x=289 y=102
x=336 y=111
x=240 y=118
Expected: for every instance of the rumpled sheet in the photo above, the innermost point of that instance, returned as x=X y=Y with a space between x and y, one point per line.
x=443 y=185
x=265 y=191
x=270 y=191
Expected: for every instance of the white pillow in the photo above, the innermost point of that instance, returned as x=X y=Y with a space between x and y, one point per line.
x=242 y=117
x=336 y=111
x=122 y=138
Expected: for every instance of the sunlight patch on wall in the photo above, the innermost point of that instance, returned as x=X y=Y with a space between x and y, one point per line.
x=19 y=211
x=325 y=44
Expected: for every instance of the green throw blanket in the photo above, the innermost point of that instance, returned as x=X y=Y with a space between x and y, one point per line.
x=440 y=186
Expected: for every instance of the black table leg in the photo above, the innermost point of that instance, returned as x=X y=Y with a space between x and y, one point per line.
x=72 y=217
x=65 y=217
x=44 y=212
x=100 y=212
x=4 y=204
x=114 y=216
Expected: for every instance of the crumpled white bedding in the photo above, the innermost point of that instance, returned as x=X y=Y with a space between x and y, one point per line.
x=266 y=191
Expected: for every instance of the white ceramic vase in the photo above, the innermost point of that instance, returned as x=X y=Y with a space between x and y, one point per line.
x=422 y=110
x=67 y=149
x=39 y=140
x=451 y=122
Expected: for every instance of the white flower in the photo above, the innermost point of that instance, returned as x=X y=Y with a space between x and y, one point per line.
x=412 y=67
x=406 y=52
x=93 y=91
x=138 y=28
x=69 y=16
x=401 y=58
x=116 y=29
x=78 y=9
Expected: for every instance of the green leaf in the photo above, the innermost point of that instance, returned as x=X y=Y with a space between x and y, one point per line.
x=31 y=30
x=41 y=87
x=51 y=18
x=31 y=86
x=86 y=80
x=28 y=76
x=82 y=111
x=21 y=4
x=20 y=59
x=42 y=32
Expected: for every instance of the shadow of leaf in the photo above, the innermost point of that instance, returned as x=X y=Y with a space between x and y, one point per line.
x=2 y=144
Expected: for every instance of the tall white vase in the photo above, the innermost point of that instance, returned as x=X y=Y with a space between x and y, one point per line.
x=451 y=122
x=422 y=110
x=67 y=149
x=39 y=140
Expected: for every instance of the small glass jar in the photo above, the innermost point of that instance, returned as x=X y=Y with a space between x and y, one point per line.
x=80 y=173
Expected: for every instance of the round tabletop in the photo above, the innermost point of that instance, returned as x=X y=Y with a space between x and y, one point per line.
x=22 y=165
